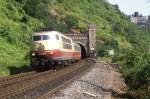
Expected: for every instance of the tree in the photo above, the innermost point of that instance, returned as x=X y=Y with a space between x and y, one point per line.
x=71 y=22
x=36 y=8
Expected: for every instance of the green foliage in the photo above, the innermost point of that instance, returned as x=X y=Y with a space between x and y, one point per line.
x=36 y=8
x=15 y=29
x=132 y=58
x=71 y=22
x=136 y=71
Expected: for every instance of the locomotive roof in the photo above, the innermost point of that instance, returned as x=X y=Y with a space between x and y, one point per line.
x=45 y=32
x=50 y=32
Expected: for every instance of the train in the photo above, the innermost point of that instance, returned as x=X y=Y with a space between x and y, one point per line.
x=52 y=49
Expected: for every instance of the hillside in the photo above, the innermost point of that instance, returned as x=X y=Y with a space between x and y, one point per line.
x=19 y=18
x=15 y=29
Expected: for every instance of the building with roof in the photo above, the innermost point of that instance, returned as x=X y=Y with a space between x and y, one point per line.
x=142 y=21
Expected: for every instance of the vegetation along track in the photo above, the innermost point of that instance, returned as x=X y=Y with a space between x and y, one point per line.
x=40 y=83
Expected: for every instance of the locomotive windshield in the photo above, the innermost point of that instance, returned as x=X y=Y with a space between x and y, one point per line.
x=41 y=37
x=36 y=38
x=46 y=37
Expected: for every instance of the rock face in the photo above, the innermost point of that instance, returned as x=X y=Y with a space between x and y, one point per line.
x=98 y=83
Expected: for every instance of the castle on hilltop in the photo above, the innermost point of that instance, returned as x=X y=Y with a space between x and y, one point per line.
x=140 y=20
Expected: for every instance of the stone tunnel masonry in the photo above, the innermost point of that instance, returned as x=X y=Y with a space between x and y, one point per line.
x=86 y=40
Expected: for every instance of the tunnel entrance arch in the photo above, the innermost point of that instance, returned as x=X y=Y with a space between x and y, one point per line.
x=83 y=51
x=87 y=39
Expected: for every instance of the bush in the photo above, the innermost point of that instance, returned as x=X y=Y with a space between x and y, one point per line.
x=71 y=22
x=132 y=58
x=36 y=8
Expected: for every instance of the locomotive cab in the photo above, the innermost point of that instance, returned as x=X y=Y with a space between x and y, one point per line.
x=43 y=42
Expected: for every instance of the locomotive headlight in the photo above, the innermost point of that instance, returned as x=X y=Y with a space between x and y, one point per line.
x=51 y=53
x=43 y=53
x=33 y=54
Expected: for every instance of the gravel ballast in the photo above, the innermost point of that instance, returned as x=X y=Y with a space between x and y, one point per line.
x=97 y=83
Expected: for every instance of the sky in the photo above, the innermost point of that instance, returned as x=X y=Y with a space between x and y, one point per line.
x=130 y=6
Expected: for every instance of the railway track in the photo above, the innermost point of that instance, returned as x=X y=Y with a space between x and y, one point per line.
x=14 y=78
x=18 y=85
x=2 y=79
x=68 y=79
x=27 y=85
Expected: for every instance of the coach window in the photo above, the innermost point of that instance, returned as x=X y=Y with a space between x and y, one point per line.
x=69 y=41
x=57 y=37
